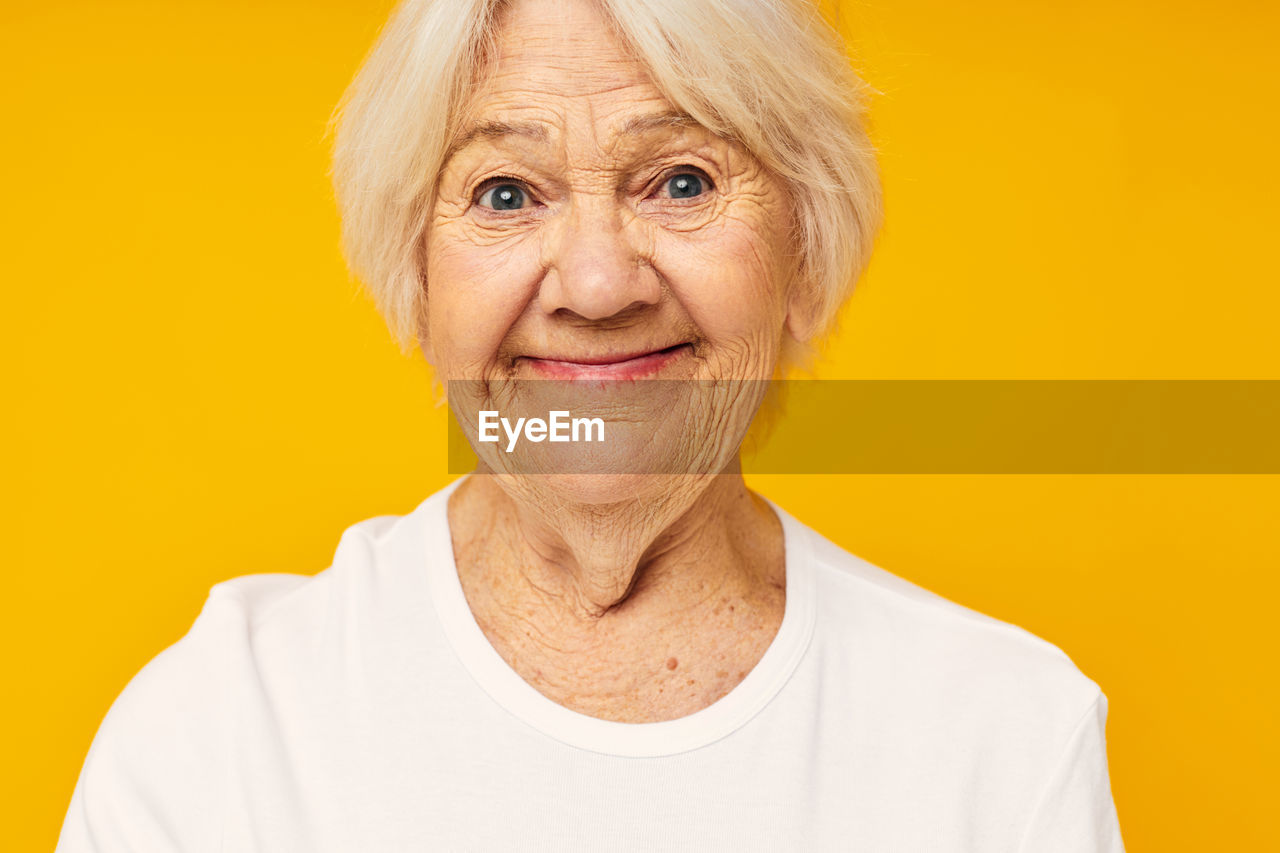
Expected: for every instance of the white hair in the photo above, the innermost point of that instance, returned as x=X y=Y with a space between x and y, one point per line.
x=769 y=74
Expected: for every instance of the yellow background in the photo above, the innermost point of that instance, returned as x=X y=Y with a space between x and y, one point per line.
x=195 y=389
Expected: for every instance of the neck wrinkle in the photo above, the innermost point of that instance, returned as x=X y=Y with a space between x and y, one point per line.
x=586 y=565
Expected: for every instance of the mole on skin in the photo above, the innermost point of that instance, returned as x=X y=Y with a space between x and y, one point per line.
x=672 y=663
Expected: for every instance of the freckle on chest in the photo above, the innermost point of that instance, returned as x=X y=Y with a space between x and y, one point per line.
x=672 y=663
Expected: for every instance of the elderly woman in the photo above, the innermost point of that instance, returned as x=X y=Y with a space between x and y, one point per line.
x=615 y=647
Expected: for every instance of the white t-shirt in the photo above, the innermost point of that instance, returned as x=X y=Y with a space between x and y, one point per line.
x=362 y=709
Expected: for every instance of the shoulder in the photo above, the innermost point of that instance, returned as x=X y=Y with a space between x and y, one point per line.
x=254 y=599
x=153 y=777
x=964 y=697
x=941 y=652
x=241 y=615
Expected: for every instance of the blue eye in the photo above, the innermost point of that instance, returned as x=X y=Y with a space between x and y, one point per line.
x=686 y=185
x=503 y=197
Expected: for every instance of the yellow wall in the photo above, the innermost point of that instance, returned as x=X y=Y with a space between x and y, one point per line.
x=1075 y=189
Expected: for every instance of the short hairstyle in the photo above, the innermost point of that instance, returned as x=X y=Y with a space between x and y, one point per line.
x=770 y=75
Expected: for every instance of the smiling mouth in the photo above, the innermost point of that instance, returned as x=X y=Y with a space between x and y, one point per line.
x=604 y=367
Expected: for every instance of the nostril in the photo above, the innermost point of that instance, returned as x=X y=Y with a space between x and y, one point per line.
x=625 y=316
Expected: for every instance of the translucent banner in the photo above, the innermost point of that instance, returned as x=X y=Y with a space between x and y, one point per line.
x=867 y=426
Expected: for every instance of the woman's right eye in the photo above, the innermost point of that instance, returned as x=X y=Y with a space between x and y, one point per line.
x=504 y=196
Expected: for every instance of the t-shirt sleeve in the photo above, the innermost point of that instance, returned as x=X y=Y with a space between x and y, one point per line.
x=151 y=779
x=1075 y=812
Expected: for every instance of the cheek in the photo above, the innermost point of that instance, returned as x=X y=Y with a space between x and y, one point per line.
x=727 y=277
x=475 y=292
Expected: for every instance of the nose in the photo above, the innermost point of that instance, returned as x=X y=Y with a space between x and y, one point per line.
x=594 y=268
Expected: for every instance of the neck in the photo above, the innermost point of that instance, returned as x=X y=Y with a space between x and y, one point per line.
x=583 y=562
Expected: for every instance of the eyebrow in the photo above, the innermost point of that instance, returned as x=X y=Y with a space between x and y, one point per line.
x=646 y=123
x=634 y=126
x=496 y=130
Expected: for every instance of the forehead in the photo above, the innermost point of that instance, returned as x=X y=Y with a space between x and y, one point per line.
x=569 y=42
x=556 y=63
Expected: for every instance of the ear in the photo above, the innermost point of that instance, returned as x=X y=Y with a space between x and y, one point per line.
x=804 y=308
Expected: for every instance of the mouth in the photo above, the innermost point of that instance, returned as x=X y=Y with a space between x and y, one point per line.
x=616 y=366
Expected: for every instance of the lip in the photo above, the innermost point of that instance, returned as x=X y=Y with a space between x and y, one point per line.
x=635 y=365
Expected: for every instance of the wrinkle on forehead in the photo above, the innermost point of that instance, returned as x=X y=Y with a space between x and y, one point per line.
x=555 y=35
x=549 y=61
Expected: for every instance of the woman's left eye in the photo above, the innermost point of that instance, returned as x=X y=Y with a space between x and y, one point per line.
x=686 y=185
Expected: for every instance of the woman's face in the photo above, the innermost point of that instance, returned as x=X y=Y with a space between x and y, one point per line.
x=584 y=229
